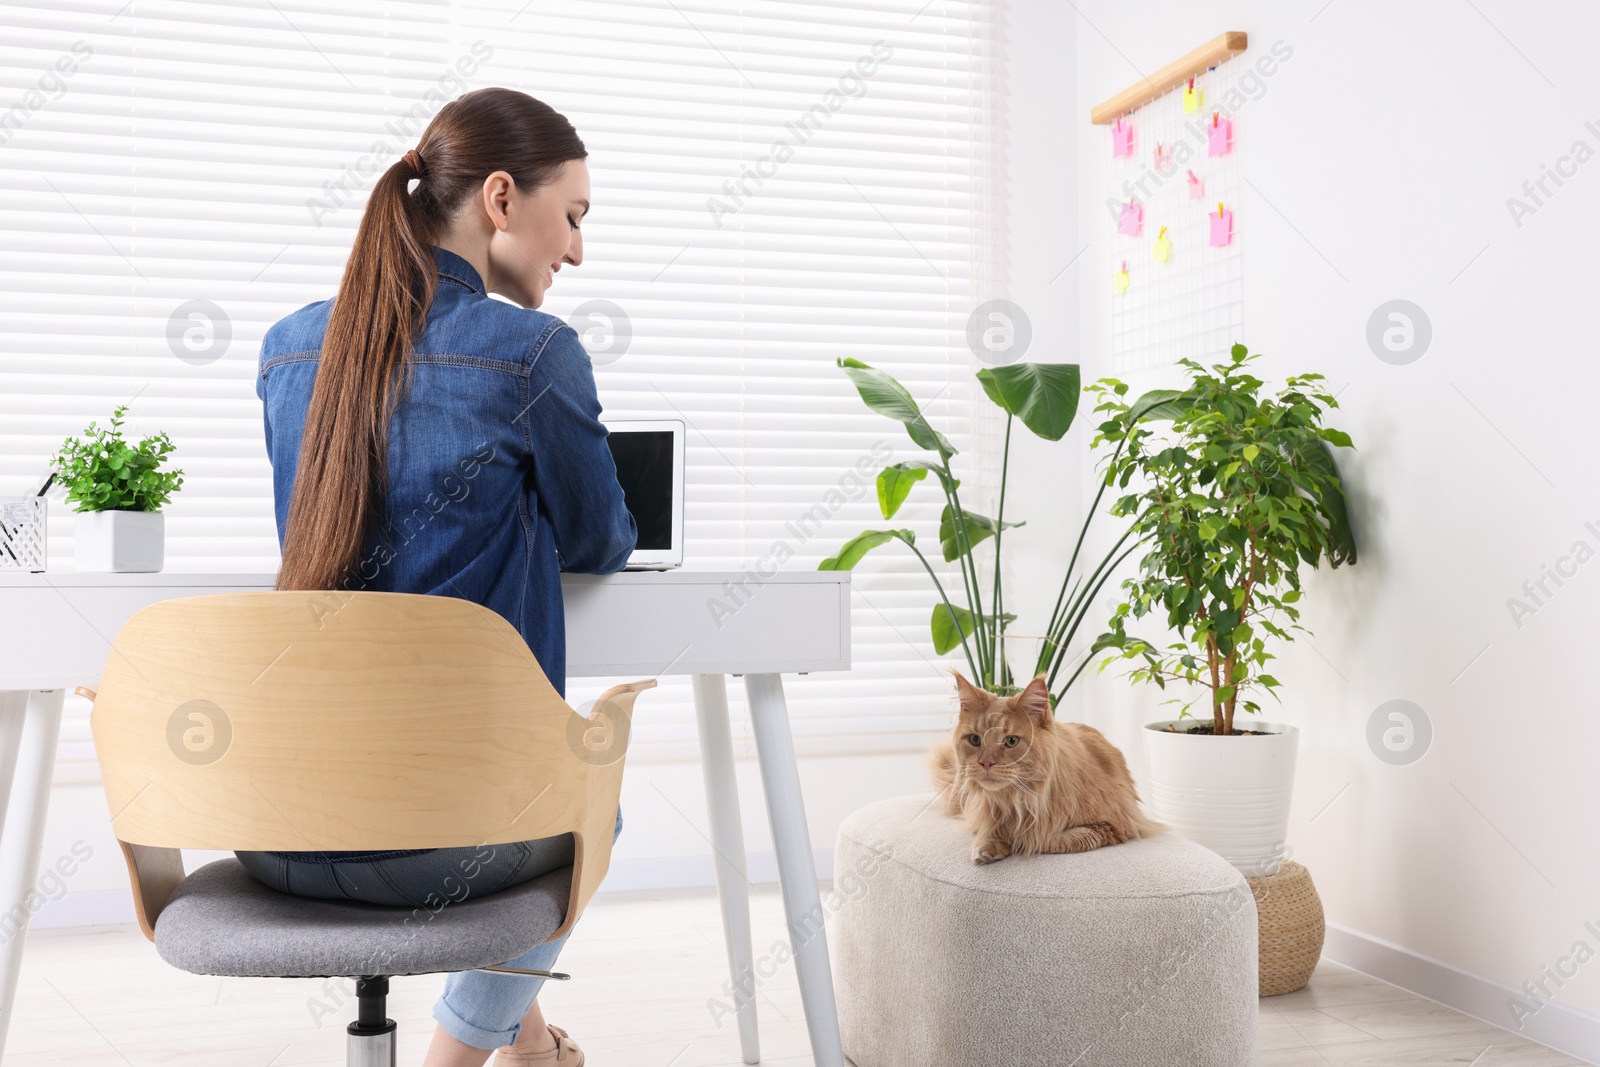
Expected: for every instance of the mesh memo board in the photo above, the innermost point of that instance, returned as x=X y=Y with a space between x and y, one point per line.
x=1191 y=306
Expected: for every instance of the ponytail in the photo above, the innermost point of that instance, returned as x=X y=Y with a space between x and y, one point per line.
x=338 y=502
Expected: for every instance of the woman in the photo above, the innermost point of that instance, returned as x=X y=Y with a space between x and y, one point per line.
x=427 y=439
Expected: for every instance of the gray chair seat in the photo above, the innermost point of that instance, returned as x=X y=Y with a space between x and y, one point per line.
x=222 y=921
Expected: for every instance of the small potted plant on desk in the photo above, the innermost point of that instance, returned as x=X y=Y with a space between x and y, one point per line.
x=118 y=489
x=1232 y=493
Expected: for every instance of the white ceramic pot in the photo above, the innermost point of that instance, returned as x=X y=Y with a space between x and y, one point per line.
x=1230 y=794
x=119 y=541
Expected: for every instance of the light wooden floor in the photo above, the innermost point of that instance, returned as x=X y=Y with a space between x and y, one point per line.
x=646 y=965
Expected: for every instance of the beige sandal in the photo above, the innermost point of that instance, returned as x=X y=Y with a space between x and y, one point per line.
x=565 y=1054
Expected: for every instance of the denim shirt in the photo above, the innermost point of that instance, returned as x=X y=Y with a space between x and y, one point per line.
x=499 y=474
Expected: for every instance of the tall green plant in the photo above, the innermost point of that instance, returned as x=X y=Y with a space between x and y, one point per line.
x=1234 y=494
x=1045 y=397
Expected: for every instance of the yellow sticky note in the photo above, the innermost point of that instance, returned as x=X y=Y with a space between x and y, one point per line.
x=1163 y=247
x=1192 y=99
x=1119 y=281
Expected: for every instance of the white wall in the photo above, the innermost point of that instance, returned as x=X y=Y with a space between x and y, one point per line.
x=1381 y=156
x=1039 y=165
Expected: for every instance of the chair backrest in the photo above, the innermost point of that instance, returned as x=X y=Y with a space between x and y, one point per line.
x=308 y=721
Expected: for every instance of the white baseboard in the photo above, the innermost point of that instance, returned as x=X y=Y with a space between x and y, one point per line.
x=1569 y=1030
x=103 y=907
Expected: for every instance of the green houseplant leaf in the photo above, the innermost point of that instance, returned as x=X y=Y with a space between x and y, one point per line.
x=1043 y=395
x=947 y=482
x=976 y=528
x=894 y=485
x=851 y=551
x=950 y=624
x=1341 y=538
x=888 y=397
x=1160 y=404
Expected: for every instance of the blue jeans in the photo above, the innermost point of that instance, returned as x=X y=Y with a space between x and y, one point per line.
x=477 y=1008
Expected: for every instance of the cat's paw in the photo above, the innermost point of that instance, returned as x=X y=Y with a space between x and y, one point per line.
x=989 y=851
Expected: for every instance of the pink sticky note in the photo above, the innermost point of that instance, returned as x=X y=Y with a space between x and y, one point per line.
x=1197 y=188
x=1221 y=228
x=1132 y=220
x=1219 y=137
x=1121 y=138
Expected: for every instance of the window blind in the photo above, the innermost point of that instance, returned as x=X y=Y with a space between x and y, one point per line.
x=776 y=184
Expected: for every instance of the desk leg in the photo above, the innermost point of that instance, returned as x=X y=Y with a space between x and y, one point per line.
x=797 y=870
x=727 y=838
x=13 y=709
x=30 y=726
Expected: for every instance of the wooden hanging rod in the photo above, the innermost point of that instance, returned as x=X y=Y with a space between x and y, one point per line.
x=1170 y=76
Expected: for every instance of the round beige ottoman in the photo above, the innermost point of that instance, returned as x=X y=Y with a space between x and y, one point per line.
x=1137 y=955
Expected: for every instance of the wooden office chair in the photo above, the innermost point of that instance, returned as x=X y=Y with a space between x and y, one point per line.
x=310 y=721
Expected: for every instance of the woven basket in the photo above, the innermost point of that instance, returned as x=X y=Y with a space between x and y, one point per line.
x=1289 y=914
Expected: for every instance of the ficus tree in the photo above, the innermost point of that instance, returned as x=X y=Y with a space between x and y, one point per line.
x=1232 y=491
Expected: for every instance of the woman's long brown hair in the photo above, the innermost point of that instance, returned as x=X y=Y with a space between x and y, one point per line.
x=338 y=501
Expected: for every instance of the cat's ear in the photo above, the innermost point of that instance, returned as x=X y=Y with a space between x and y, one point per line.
x=972 y=698
x=1035 y=700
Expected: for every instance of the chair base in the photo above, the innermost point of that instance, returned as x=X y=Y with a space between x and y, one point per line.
x=371 y=1040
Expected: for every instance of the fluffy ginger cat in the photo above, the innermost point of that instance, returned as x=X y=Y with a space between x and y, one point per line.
x=1025 y=782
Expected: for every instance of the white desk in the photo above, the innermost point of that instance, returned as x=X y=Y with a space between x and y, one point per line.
x=56 y=628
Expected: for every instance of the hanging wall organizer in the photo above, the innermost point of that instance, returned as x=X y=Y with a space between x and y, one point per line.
x=1175 y=165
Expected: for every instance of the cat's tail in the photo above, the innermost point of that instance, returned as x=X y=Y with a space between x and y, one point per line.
x=1145 y=826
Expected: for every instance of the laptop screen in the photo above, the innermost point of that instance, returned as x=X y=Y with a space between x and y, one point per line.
x=644 y=470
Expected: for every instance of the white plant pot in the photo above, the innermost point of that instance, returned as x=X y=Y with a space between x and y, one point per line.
x=119 y=541
x=1230 y=794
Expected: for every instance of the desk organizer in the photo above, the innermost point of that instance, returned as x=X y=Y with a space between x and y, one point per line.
x=22 y=534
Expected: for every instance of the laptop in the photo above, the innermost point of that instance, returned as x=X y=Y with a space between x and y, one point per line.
x=649 y=458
